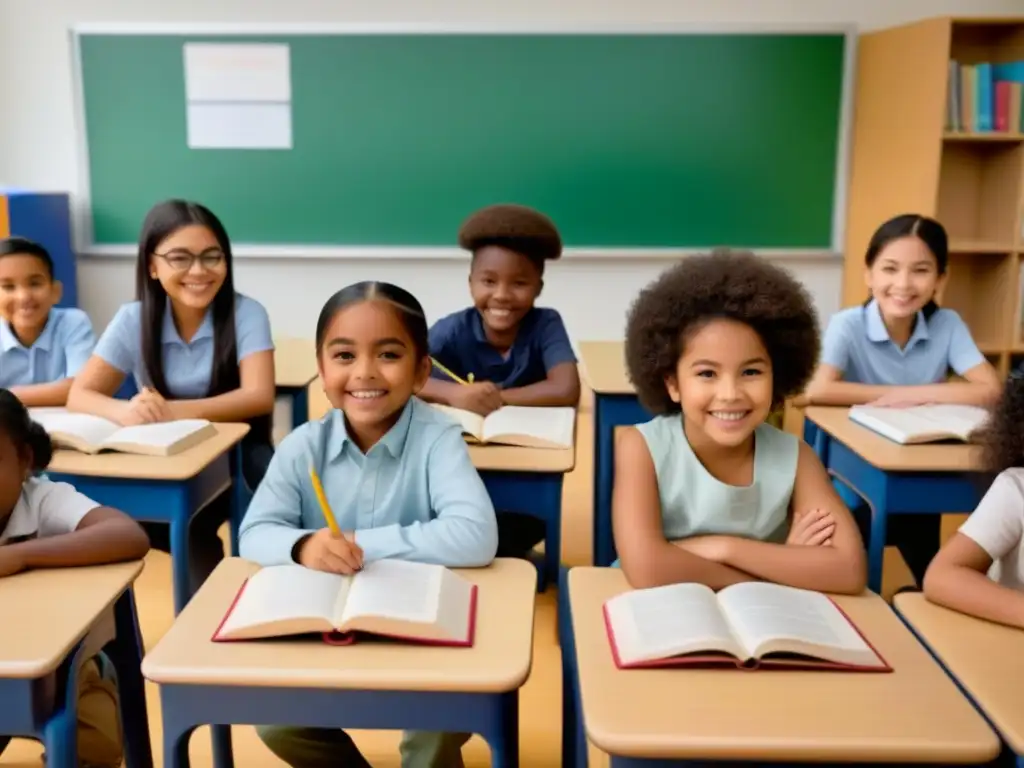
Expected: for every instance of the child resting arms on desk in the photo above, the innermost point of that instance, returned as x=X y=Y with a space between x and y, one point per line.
x=980 y=570
x=707 y=491
x=50 y=525
x=396 y=474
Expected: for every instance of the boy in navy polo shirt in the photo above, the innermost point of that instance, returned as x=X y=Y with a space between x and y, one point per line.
x=510 y=351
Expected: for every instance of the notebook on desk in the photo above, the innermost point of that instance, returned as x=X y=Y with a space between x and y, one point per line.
x=526 y=427
x=92 y=434
x=416 y=602
x=922 y=423
x=752 y=625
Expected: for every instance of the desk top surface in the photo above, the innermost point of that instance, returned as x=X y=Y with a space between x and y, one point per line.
x=294 y=362
x=885 y=454
x=55 y=608
x=912 y=714
x=129 y=466
x=987 y=659
x=604 y=367
x=499 y=660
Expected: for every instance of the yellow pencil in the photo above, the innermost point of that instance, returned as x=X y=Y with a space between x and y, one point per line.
x=445 y=371
x=318 y=489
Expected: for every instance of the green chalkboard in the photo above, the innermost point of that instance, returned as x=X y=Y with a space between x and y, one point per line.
x=675 y=140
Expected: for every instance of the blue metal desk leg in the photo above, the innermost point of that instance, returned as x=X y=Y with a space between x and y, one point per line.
x=180 y=555
x=604 y=436
x=125 y=652
x=300 y=407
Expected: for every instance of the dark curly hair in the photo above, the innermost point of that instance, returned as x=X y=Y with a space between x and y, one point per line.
x=516 y=227
x=723 y=284
x=1002 y=437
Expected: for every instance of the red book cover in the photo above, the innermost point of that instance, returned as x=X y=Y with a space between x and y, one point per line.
x=714 y=659
x=1002 y=115
x=348 y=638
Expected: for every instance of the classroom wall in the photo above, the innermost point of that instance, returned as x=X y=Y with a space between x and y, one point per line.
x=38 y=146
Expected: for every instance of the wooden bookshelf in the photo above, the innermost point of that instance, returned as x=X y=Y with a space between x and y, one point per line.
x=904 y=161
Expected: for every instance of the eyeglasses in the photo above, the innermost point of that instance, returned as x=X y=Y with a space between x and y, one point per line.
x=181 y=260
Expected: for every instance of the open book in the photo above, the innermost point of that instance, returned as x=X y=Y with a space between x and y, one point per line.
x=921 y=423
x=748 y=625
x=550 y=427
x=92 y=434
x=393 y=598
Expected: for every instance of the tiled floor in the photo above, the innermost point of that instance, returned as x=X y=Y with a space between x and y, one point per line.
x=540 y=708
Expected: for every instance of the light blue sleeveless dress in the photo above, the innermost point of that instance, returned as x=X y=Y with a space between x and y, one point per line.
x=695 y=503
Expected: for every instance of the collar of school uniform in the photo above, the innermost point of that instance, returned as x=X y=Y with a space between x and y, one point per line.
x=877 y=331
x=9 y=341
x=170 y=332
x=21 y=523
x=394 y=439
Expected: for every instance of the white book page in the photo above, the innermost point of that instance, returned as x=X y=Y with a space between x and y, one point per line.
x=552 y=424
x=761 y=613
x=88 y=428
x=898 y=424
x=395 y=589
x=961 y=420
x=285 y=593
x=667 y=621
x=160 y=435
x=472 y=424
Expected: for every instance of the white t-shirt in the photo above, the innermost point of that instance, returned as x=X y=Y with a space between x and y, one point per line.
x=46 y=509
x=997 y=526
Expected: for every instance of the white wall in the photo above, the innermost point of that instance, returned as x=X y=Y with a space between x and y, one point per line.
x=38 y=147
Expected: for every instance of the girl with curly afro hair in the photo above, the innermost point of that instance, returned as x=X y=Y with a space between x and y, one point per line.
x=707 y=491
x=980 y=571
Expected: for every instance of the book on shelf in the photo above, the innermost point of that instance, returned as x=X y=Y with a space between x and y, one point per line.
x=92 y=434
x=982 y=97
x=416 y=602
x=921 y=423
x=752 y=625
x=527 y=427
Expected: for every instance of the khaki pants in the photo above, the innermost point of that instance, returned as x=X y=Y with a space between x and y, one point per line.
x=100 y=741
x=333 y=748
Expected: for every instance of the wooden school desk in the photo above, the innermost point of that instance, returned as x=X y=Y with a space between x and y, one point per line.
x=55 y=620
x=986 y=659
x=165 y=489
x=615 y=405
x=894 y=479
x=366 y=685
x=653 y=717
x=294 y=371
x=529 y=481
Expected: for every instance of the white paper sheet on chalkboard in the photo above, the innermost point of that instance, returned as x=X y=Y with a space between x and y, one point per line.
x=237 y=72
x=239 y=126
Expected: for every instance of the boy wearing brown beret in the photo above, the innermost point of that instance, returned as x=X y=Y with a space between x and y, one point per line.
x=511 y=352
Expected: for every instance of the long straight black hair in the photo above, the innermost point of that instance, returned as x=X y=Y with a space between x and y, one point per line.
x=162 y=221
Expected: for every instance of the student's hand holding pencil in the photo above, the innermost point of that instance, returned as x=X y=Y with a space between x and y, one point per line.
x=482 y=397
x=329 y=549
x=323 y=551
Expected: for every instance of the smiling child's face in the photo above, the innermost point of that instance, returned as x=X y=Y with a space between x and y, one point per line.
x=27 y=293
x=903 y=278
x=370 y=367
x=504 y=285
x=723 y=382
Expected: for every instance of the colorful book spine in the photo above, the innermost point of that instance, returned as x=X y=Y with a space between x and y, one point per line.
x=983 y=97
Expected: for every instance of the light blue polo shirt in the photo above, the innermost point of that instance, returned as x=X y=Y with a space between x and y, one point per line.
x=59 y=353
x=415 y=495
x=857 y=343
x=188 y=367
